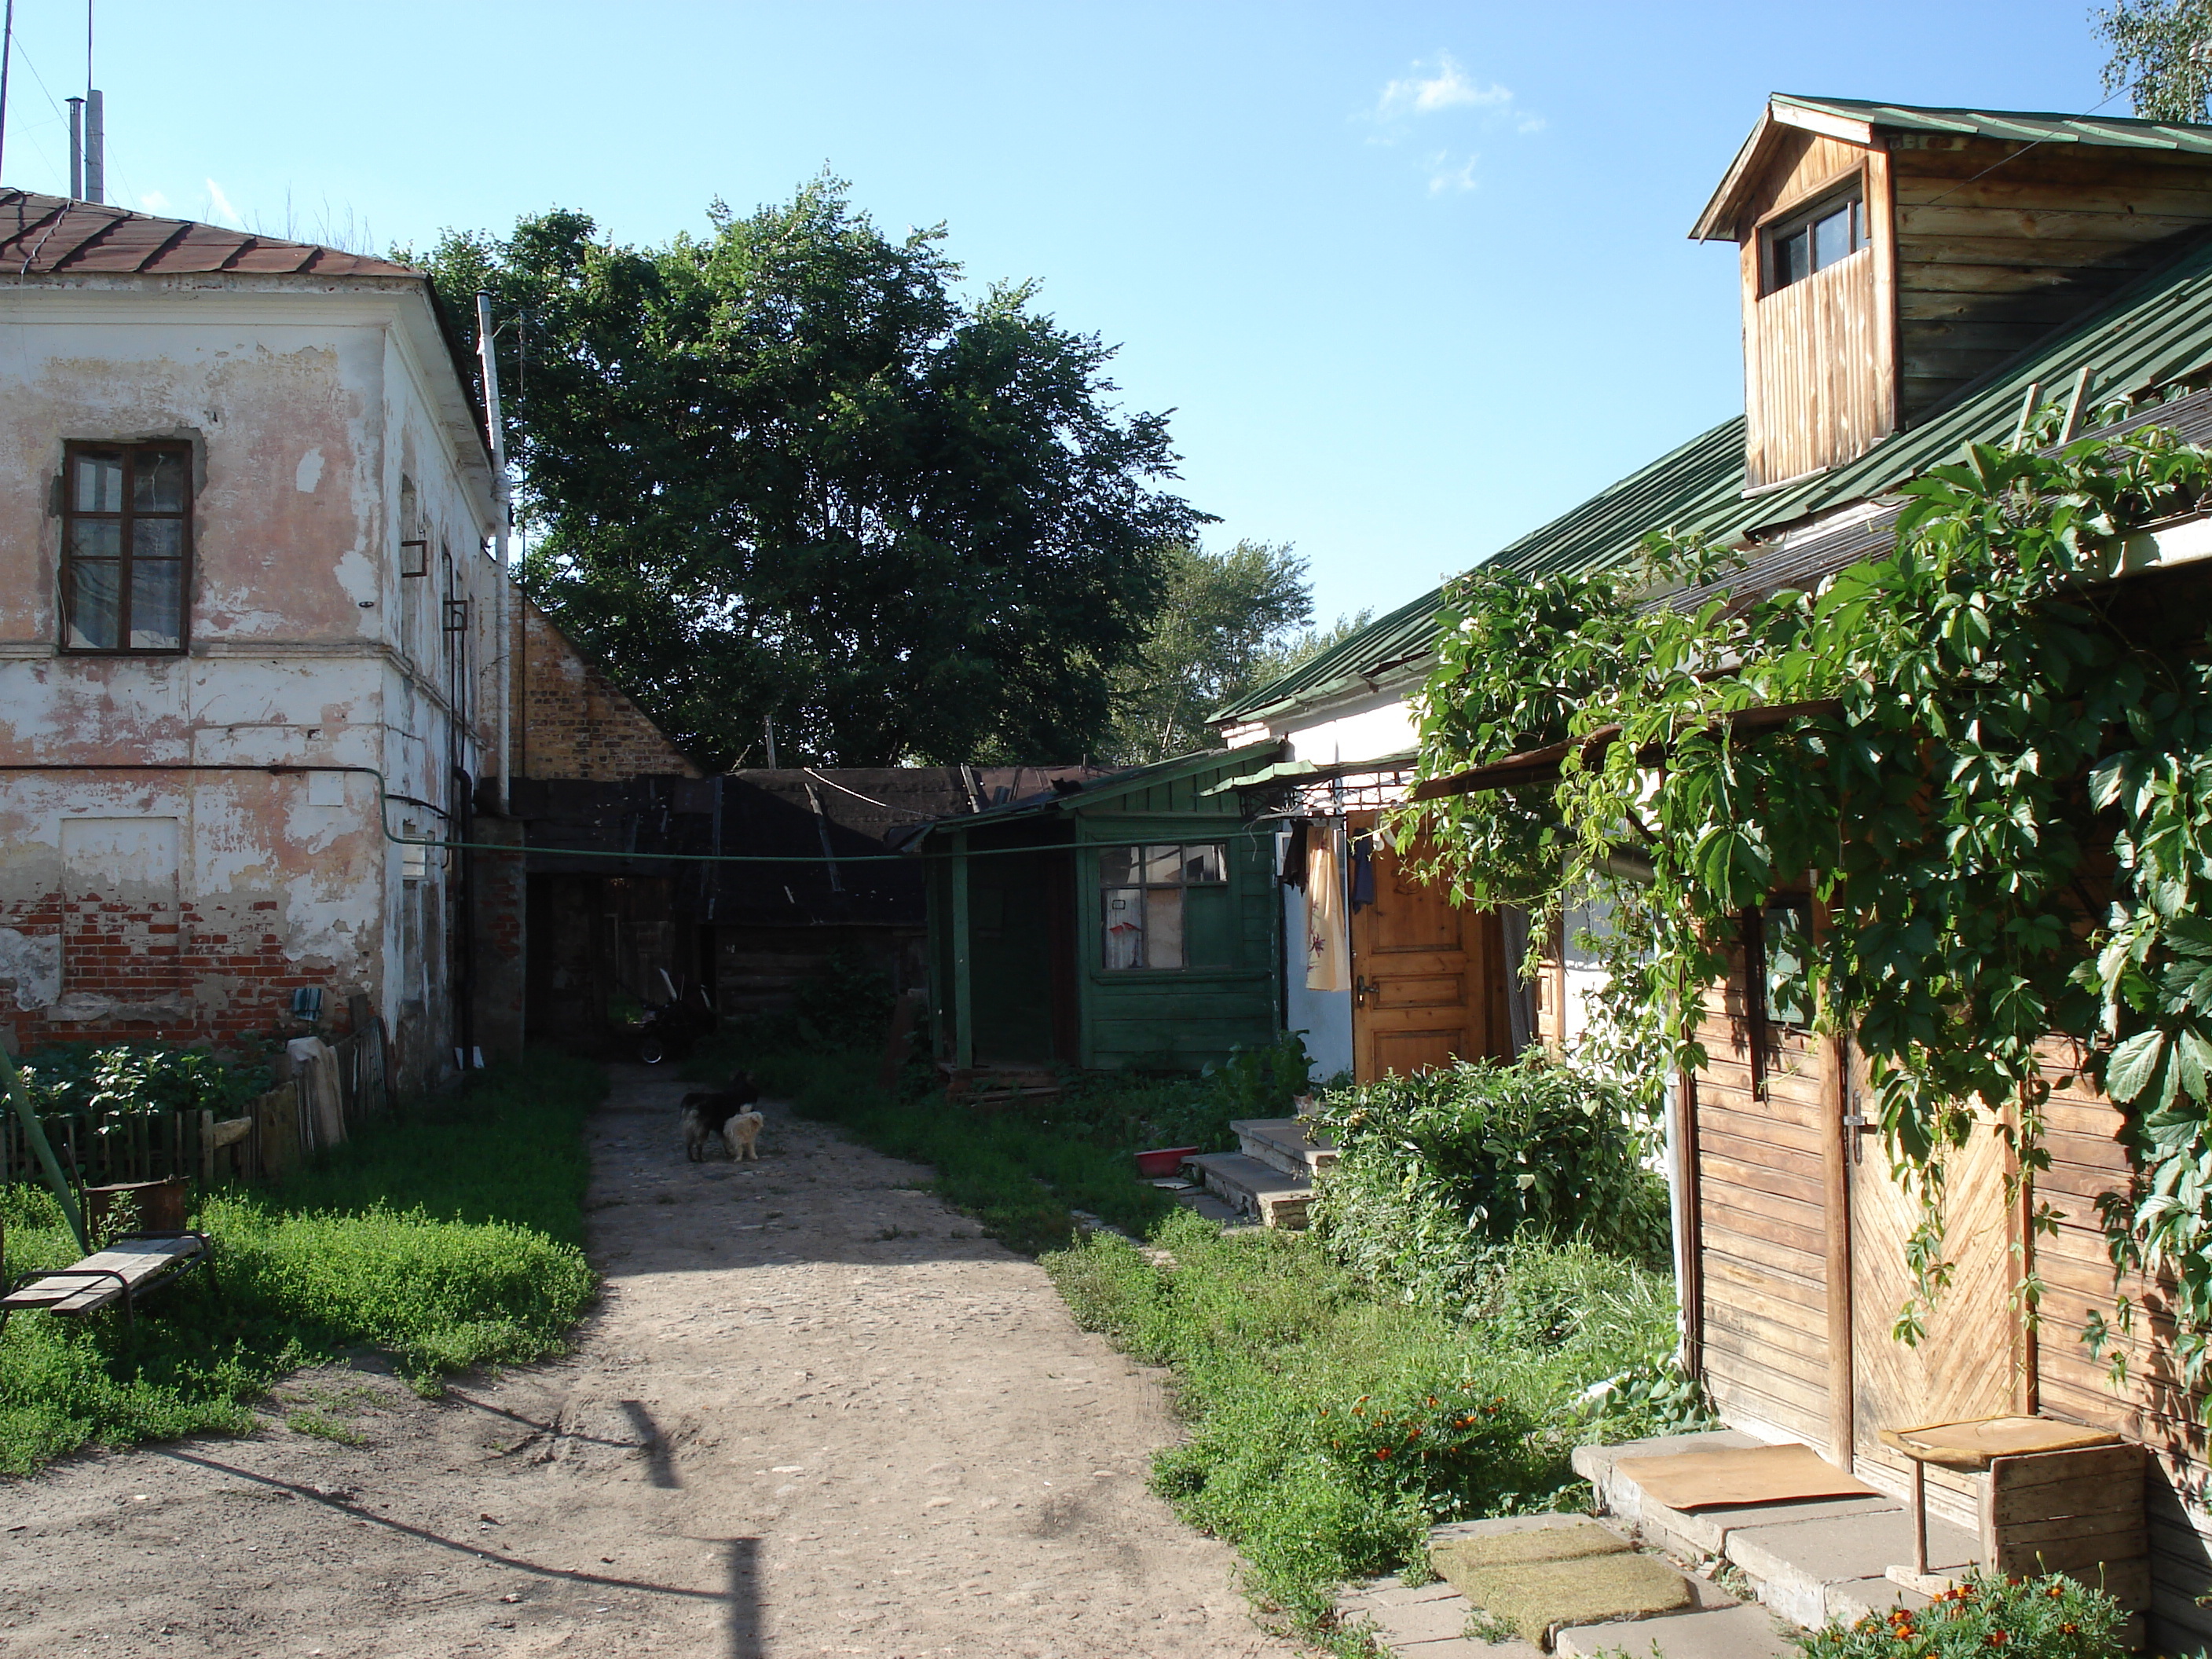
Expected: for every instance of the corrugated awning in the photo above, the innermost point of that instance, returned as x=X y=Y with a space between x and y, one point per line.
x=1304 y=771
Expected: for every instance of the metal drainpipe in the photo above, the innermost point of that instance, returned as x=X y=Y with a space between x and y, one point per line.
x=502 y=512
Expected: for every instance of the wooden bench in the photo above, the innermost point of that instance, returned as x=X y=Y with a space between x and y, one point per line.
x=128 y=1267
x=2054 y=1497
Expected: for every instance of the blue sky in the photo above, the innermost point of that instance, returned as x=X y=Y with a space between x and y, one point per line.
x=1414 y=278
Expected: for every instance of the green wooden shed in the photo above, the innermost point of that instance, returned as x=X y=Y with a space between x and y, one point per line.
x=1132 y=921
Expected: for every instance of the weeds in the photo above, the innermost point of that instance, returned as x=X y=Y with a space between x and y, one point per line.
x=1330 y=1427
x=448 y=1235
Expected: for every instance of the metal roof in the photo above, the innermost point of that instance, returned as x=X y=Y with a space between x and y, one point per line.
x=1855 y=121
x=56 y=236
x=2025 y=126
x=1681 y=488
x=2154 y=333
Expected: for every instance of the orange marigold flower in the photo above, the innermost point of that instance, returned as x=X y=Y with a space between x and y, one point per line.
x=2055 y=1590
x=2068 y=1627
x=1381 y=1451
x=1997 y=1638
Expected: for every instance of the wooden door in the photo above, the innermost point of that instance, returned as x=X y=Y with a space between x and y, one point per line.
x=1428 y=978
x=1968 y=1362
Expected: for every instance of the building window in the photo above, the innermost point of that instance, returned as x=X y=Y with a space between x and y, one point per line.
x=126 y=546
x=1785 y=938
x=1828 y=235
x=1145 y=892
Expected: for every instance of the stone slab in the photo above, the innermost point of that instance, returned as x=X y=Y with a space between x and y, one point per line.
x=1704 y=1531
x=1855 y=1598
x=1498 y=1525
x=1742 y=1632
x=1795 y=1562
x=1624 y=1497
x=1424 y=1621
x=1459 y=1647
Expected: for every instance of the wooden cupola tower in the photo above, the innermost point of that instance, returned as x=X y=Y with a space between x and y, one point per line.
x=1891 y=257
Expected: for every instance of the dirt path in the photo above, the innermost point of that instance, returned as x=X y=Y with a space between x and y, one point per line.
x=815 y=1413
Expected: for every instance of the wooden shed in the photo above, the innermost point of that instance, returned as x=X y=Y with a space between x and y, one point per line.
x=1131 y=920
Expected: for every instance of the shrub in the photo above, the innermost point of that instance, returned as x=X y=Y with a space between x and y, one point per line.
x=86 y=1079
x=2047 y=1618
x=1436 y=1172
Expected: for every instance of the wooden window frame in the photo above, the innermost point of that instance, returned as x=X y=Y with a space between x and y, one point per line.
x=125 y=516
x=1778 y=228
x=1182 y=883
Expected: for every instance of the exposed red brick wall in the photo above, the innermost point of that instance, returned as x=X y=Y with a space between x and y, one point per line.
x=217 y=974
x=571 y=721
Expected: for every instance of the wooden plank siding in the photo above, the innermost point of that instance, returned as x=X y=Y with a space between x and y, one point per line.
x=1995 y=246
x=1818 y=388
x=1763 y=1239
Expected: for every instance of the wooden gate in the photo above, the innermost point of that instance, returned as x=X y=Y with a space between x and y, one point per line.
x=1428 y=977
x=1968 y=1362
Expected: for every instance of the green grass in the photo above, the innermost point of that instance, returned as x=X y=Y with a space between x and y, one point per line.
x=446 y=1236
x=1020 y=1178
x=1331 y=1425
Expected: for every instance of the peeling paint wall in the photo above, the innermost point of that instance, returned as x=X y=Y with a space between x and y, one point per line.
x=156 y=879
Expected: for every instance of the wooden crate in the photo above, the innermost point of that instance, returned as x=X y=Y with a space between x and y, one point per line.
x=2079 y=1512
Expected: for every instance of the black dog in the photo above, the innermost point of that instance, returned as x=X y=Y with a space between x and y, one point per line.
x=727 y=1114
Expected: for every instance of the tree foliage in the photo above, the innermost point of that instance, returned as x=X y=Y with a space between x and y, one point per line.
x=2002 y=796
x=785 y=470
x=1223 y=614
x=2162 y=56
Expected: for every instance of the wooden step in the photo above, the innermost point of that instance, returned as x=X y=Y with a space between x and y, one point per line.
x=1258 y=1189
x=1281 y=1144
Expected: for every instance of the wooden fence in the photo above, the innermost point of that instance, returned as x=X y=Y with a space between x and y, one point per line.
x=327 y=1097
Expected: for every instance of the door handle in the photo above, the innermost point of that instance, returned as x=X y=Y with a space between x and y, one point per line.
x=1362 y=989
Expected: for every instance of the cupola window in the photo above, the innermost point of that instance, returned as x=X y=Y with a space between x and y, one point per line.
x=1808 y=242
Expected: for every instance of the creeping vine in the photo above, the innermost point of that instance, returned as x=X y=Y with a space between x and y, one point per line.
x=1996 y=781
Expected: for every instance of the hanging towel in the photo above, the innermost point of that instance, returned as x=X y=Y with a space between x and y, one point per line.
x=1327 y=963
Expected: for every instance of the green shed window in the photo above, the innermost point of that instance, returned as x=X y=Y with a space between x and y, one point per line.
x=1146 y=893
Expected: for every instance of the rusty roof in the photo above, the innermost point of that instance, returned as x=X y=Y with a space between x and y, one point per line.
x=55 y=236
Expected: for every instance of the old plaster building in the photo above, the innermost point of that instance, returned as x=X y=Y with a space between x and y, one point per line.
x=247 y=621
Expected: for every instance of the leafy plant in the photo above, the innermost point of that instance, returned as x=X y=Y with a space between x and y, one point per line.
x=2000 y=795
x=2048 y=1618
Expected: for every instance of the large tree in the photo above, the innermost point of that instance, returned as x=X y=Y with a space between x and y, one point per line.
x=2162 y=56
x=786 y=470
x=1231 y=623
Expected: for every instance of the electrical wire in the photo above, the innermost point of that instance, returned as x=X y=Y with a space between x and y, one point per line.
x=2014 y=156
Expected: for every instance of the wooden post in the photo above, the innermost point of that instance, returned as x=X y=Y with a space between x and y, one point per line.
x=964 y=1001
x=1835 y=1199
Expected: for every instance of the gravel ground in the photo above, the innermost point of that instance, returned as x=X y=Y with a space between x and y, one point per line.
x=814 y=1414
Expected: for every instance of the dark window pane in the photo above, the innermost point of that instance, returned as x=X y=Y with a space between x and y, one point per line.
x=1832 y=238
x=93 y=597
x=158 y=484
x=157 y=604
x=99 y=486
x=1117 y=866
x=1859 y=237
x=1202 y=864
x=1789 y=255
x=96 y=538
x=156 y=538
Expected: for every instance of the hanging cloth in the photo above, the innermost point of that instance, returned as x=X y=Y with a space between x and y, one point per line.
x=1327 y=965
x=1294 y=855
x=1520 y=989
x=1363 y=869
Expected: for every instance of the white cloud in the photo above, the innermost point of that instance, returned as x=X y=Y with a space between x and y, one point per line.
x=1437 y=96
x=1447 y=176
x=152 y=201
x=1446 y=86
x=219 y=206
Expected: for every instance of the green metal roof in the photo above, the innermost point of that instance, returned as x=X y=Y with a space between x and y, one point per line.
x=1117 y=786
x=1681 y=489
x=2151 y=333
x=2025 y=126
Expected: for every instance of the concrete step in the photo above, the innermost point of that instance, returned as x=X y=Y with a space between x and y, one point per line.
x=1281 y=1144
x=1215 y=1209
x=1257 y=1189
x=1742 y=1632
